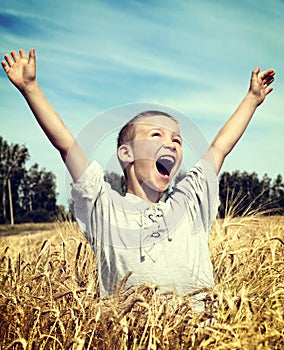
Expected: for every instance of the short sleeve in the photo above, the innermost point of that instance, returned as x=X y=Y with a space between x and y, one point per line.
x=85 y=192
x=199 y=193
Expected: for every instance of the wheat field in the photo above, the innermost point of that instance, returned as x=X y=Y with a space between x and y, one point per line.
x=49 y=295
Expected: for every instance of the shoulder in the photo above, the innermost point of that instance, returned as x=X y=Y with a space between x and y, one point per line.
x=90 y=183
x=197 y=194
x=201 y=176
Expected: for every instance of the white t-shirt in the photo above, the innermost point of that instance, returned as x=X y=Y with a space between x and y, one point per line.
x=165 y=243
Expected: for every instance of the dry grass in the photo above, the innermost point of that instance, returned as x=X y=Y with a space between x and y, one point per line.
x=48 y=296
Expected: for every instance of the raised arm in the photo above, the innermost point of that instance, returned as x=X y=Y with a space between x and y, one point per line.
x=233 y=129
x=21 y=70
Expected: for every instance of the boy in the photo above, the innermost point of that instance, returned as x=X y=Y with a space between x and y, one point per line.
x=165 y=243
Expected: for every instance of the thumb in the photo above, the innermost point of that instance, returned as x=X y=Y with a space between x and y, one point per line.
x=255 y=71
x=32 y=58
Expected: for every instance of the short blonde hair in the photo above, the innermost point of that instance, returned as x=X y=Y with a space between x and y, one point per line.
x=127 y=132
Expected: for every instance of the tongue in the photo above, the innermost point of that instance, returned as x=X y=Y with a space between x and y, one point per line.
x=162 y=170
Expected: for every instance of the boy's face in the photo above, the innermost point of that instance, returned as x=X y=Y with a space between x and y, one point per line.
x=157 y=151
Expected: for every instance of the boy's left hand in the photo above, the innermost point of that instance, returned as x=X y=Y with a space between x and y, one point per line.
x=260 y=84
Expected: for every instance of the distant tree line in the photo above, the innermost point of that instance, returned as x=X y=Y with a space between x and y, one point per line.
x=29 y=195
x=26 y=195
x=241 y=193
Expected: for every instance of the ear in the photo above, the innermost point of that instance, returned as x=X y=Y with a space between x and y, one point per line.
x=125 y=154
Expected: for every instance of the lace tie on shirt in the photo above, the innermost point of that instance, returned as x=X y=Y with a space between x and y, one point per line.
x=153 y=230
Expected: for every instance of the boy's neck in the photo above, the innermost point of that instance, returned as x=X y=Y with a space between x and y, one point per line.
x=145 y=193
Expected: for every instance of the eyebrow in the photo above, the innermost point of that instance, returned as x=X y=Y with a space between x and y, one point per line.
x=161 y=129
x=178 y=135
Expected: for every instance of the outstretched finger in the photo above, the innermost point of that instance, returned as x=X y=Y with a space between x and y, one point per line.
x=15 y=56
x=22 y=53
x=267 y=73
x=8 y=60
x=5 y=66
x=255 y=75
x=256 y=70
x=269 y=80
x=32 y=57
x=268 y=90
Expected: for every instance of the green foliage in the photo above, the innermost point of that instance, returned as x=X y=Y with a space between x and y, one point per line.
x=33 y=190
x=118 y=183
x=243 y=192
x=12 y=162
x=246 y=193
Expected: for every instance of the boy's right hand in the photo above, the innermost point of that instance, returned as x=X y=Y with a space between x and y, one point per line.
x=21 y=70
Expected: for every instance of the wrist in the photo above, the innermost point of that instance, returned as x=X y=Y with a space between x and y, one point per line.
x=29 y=88
x=252 y=99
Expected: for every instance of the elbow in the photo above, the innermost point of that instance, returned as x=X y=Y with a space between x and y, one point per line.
x=219 y=150
x=219 y=154
x=64 y=146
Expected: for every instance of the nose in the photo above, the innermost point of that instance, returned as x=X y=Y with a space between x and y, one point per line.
x=171 y=145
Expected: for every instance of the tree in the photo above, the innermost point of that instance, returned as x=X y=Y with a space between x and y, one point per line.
x=12 y=161
x=243 y=193
x=33 y=191
x=118 y=183
x=240 y=193
x=277 y=190
x=38 y=195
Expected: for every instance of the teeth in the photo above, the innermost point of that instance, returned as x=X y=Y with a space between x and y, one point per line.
x=169 y=158
x=165 y=165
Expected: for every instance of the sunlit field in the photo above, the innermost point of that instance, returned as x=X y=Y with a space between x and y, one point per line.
x=49 y=295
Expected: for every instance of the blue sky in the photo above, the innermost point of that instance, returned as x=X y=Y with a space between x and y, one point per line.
x=194 y=57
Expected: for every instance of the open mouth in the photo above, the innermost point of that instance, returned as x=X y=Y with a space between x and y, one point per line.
x=165 y=165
